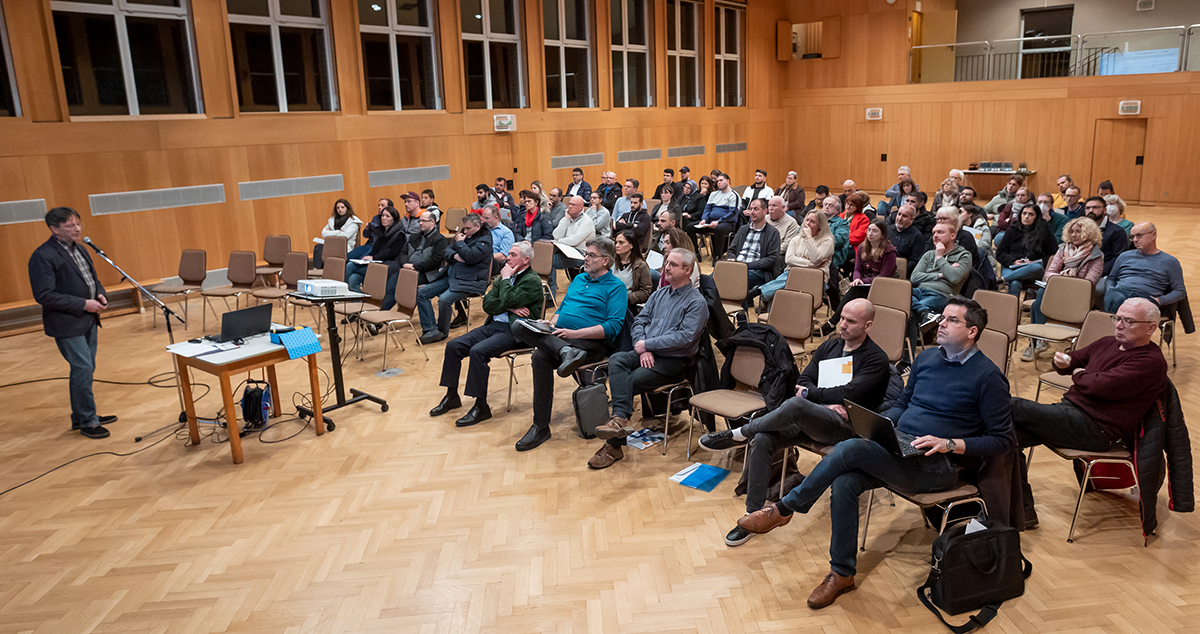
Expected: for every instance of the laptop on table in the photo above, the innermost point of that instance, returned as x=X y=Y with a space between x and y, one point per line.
x=240 y=324
x=874 y=427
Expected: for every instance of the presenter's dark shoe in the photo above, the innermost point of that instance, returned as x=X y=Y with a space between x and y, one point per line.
x=719 y=440
x=449 y=402
x=107 y=420
x=96 y=432
x=572 y=359
x=432 y=337
x=764 y=520
x=459 y=321
x=477 y=414
x=831 y=588
x=737 y=536
x=533 y=438
x=606 y=456
x=616 y=427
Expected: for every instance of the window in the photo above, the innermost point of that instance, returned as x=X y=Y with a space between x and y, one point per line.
x=806 y=40
x=684 y=73
x=730 y=76
x=491 y=51
x=1048 y=57
x=281 y=55
x=399 y=63
x=632 y=86
x=568 y=54
x=9 y=106
x=126 y=57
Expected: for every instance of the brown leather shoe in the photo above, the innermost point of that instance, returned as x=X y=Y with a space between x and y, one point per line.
x=616 y=427
x=764 y=519
x=605 y=456
x=830 y=589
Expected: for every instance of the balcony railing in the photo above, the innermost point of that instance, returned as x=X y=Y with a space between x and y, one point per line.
x=1159 y=50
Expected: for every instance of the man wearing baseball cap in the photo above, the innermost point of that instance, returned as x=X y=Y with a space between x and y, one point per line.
x=411 y=222
x=685 y=176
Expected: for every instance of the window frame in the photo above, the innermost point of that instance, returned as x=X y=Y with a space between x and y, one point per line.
x=6 y=51
x=119 y=10
x=562 y=44
x=487 y=38
x=719 y=31
x=625 y=48
x=275 y=20
x=675 y=56
x=392 y=30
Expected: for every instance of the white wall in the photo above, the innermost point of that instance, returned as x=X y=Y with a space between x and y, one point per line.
x=998 y=19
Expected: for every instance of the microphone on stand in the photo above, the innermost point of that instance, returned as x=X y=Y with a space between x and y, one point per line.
x=88 y=241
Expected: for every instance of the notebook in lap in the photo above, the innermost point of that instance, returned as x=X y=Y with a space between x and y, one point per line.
x=240 y=324
x=872 y=426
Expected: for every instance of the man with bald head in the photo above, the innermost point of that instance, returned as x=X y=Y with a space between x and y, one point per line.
x=1114 y=382
x=814 y=413
x=848 y=187
x=574 y=230
x=783 y=222
x=1144 y=272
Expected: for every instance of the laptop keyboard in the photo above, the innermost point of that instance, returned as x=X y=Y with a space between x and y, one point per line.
x=906 y=448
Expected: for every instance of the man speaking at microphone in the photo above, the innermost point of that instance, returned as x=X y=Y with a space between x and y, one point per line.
x=64 y=282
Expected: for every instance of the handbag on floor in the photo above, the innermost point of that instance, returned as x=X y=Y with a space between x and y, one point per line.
x=975 y=571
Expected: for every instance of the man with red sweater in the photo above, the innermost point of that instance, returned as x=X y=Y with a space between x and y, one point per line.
x=1115 y=381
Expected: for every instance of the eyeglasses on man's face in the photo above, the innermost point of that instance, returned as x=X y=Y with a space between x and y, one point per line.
x=1126 y=322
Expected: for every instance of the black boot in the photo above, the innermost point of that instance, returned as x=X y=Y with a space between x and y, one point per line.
x=449 y=402
x=478 y=413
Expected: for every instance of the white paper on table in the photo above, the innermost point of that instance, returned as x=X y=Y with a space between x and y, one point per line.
x=568 y=251
x=188 y=349
x=319 y=240
x=654 y=260
x=835 y=372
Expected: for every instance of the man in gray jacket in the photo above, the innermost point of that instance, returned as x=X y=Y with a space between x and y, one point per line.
x=940 y=273
x=422 y=253
x=470 y=258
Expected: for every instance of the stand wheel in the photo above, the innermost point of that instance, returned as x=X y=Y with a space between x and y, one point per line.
x=383 y=408
x=183 y=417
x=329 y=426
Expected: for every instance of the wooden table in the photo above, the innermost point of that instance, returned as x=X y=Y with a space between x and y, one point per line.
x=258 y=352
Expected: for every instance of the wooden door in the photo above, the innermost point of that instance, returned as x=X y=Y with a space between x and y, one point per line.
x=1117 y=155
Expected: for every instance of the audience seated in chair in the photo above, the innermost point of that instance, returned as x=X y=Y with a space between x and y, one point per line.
x=585 y=325
x=502 y=236
x=956 y=402
x=516 y=293
x=1078 y=256
x=1114 y=381
x=423 y=253
x=1026 y=245
x=574 y=230
x=1114 y=241
x=720 y=215
x=666 y=336
x=386 y=248
x=939 y=274
x=812 y=248
x=757 y=244
x=1146 y=272
x=469 y=257
x=815 y=413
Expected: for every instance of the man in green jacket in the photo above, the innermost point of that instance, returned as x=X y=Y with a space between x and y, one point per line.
x=516 y=292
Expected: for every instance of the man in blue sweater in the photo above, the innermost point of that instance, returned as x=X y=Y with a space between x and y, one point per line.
x=586 y=326
x=956 y=402
x=1144 y=272
x=720 y=215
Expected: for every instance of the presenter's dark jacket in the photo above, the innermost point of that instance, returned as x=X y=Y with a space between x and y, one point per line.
x=524 y=290
x=59 y=287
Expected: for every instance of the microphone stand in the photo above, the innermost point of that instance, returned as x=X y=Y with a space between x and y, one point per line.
x=167 y=315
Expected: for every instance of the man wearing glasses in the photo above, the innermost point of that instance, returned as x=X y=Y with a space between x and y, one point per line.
x=585 y=329
x=1144 y=272
x=956 y=402
x=1113 y=239
x=1115 y=380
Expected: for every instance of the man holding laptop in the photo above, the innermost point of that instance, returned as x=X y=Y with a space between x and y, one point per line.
x=816 y=412
x=956 y=401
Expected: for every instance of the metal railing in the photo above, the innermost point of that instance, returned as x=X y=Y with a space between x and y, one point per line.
x=1156 y=50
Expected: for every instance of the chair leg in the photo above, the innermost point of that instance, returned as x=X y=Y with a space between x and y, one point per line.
x=511 y=376
x=867 y=520
x=1087 y=475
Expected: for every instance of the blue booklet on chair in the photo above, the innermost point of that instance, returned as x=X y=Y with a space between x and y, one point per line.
x=700 y=476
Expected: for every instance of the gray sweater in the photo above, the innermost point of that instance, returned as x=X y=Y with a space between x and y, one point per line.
x=1158 y=275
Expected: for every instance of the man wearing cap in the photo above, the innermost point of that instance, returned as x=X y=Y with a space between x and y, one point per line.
x=578 y=186
x=685 y=179
x=410 y=223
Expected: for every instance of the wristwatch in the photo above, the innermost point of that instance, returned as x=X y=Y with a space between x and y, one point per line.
x=950 y=445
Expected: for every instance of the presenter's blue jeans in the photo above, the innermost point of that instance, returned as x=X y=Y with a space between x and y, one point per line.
x=80 y=353
x=1024 y=273
x=857 y=465
x=446 y=299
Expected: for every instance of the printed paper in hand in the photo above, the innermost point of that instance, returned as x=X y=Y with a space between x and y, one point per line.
x=570 y=252
x=362 y=262
x=976 y=233
x=654 y=260
x=835 y=372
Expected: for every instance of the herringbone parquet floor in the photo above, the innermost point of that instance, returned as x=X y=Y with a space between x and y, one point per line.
x=398 y=522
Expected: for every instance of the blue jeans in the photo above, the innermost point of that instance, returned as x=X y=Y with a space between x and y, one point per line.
x=924 y=299
x=355 y=273
x=389 y=295
x=855 y=466
x=1114 y=297
x=768 y=289
x=562 y=262
x=80 y=352
x=1023 y=273
x=446 y=300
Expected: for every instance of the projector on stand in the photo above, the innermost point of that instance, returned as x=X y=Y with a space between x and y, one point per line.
x=322 y=288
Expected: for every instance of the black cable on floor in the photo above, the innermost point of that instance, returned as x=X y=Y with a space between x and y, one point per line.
x=91 y=455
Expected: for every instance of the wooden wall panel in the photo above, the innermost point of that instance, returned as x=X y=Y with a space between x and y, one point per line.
x=35 y=60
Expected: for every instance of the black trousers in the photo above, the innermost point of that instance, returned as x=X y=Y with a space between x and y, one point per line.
x=1058 y=424
x=627 y=377
x=482 y=344
x=853 y=293
x=796 y=420
x=546 y=360
x=720 y=238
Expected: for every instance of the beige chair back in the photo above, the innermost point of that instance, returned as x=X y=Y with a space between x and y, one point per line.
x=901 y=268
x=452 y=218
x=1003 y=312
x=406 y=291
x=335 y=269
x=543 y=258
x=276 y=248
x=732 y=280
x=295 y=268
x=193 y=266
x=891 y=292
x=747 y=366
x=241 y=271
x=1097 y=325
x=335 y=247
x=375 y=282
x=811 y=281
x=791 y=314
x=887 y=331
x=1067 y=300
x=994 y=345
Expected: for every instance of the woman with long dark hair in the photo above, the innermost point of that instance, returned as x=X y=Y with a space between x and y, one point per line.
x=386 y=248
x=875 y=257
x=342 y=222
x=1026 y=244
x=631 y=268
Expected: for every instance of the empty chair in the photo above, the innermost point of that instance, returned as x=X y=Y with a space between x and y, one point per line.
x=1096 y=325
x=295 y=268
x=1004 y=314
x=747 y=368
x=241 y=276
x=811 y=281
x=1065 y=304
x=452 y=218
x=901 y=269
x=1090 y=459
x=791 y=315
x=543 y=265
x=335 y=247
x=891 y=292
x=193 y=268
x=732 y=280
x=994 y=346
x=375 y=285
x=274 y=250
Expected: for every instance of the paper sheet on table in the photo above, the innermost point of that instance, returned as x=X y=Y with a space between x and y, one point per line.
x=570 y=252
x=654 y=260
x=188 y=349
x=319 y=240
x=835 y=372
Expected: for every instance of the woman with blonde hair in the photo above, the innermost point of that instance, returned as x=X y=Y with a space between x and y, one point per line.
x=544 y=200
x=811 y=249
x=1078 y=256
x=947 y=196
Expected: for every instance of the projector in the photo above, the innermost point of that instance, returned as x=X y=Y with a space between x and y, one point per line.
x=322 y=288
